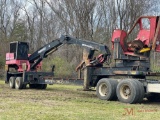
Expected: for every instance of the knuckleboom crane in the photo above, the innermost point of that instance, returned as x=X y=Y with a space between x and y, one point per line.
x=43 y=52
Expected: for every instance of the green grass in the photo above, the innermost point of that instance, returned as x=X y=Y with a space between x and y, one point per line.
x=65 y=102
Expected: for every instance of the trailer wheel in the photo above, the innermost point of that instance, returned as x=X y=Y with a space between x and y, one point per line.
x=141 y=91
x=127 y=91
x=41 y=86
x=24 y=86
x=19 y=83
x=12 y=82
x=32 y=86
x=106 y=89
x=44 y=86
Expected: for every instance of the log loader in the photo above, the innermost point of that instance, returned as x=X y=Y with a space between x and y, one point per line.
x=126 y=78
x=23 y=68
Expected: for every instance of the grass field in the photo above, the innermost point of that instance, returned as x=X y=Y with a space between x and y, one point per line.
x=65 y=102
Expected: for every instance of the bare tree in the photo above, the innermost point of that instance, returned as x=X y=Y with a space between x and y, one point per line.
x=40 y=21
x=76 y=18
x=9 y=16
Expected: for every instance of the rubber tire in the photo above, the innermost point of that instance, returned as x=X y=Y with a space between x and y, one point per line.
x=141 y=91
x=38 y=86
x=32 y=86
x=133 y=98
x=12 y=82
x=44 y=86
x=111 y=84
x=41 y=86
x=24 y=86
x=19 y=83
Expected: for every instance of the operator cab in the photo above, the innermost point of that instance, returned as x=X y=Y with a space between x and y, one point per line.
x=20 y=50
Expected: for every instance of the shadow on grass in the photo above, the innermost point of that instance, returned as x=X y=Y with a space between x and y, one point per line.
x=153 y=102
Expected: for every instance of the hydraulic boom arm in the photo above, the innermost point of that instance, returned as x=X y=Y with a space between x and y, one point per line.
x=44 y=51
